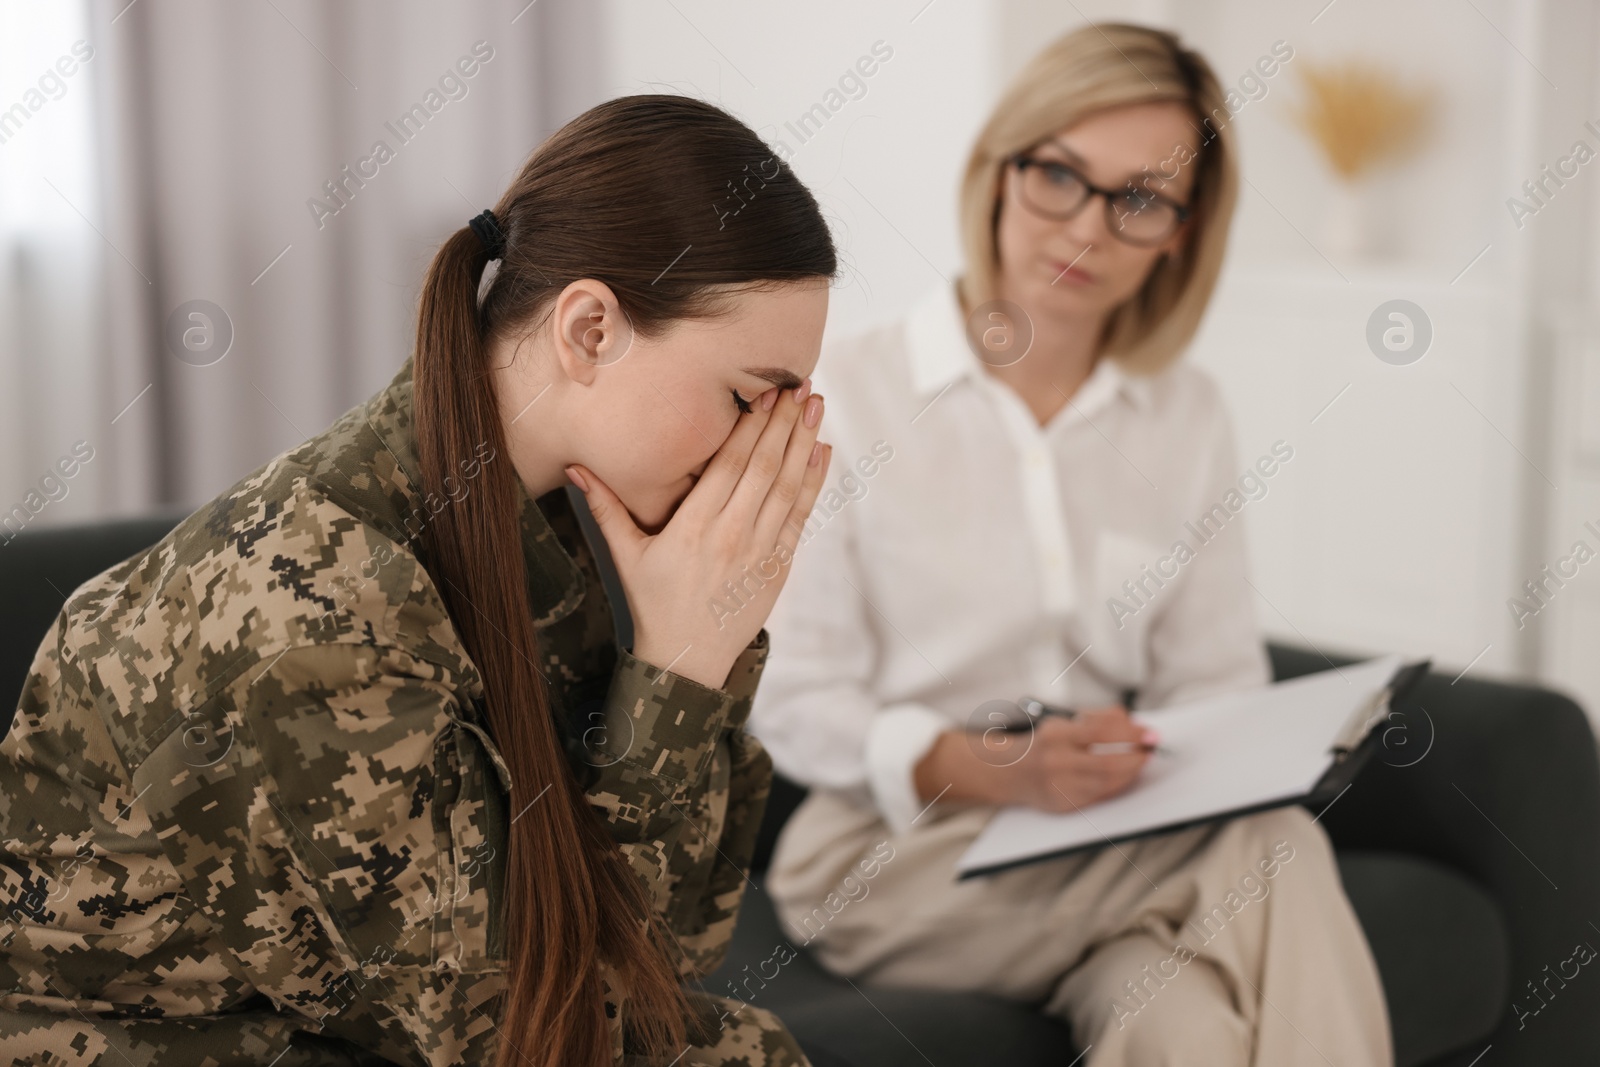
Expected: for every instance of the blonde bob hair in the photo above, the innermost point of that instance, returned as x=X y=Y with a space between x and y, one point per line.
x=1091 y=69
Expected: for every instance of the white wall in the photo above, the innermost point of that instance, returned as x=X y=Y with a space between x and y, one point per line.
x=885 y=167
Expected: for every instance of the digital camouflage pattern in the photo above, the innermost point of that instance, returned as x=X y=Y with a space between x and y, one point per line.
x=250 y=811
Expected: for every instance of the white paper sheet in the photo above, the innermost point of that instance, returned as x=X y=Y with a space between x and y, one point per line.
x=1228 y=752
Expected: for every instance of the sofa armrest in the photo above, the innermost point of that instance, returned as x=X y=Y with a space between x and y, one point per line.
x=1502 y=783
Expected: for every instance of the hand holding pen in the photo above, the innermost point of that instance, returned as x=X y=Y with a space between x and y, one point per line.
x=1050 y=759
x=1036 y=709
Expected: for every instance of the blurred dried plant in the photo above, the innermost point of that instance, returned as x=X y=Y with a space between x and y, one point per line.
x=1360 y=115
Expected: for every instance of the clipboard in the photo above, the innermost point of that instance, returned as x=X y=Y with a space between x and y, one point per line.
x=1018 y=837
x=1356 y=743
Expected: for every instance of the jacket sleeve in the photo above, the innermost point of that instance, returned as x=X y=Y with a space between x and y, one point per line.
x=305 y=807
x=682 y=788
x=709 y=916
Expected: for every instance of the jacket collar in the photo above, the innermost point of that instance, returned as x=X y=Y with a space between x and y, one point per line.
x=936 y=340
x=555 y=582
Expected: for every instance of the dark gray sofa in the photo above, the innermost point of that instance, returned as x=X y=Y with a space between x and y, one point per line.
x=1472 y=868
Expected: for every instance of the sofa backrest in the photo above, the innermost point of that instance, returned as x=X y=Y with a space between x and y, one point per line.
x=40 y=568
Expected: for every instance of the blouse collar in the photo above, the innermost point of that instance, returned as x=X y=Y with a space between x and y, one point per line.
x=936 y=338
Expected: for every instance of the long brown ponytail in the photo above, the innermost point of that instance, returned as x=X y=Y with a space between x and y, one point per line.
x=620 y=193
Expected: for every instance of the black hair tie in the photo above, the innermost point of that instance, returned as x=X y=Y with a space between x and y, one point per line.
x=487 y=227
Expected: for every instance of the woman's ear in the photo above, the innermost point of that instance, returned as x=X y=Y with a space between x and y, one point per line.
x=589 y=329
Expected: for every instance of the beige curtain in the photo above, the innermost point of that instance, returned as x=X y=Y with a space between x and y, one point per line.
x=284 y=170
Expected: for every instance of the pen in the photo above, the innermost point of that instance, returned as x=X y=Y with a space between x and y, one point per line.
x=1036 y=709
x=1110 y=748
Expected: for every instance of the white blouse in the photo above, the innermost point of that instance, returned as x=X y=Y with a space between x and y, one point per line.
x=962 y=553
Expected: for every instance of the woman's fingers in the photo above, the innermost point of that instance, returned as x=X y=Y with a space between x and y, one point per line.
x=766 y=458
x=1072 y=770
x=810 y=488
x=616 y=525
x=784 y=493
x=788 y=535
x=1111 y=723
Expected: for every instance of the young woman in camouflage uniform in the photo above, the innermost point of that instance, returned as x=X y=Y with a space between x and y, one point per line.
x=350 y=768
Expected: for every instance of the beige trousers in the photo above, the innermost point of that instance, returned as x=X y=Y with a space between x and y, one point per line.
x=1225 y=944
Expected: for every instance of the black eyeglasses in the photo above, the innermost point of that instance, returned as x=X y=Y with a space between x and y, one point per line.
x=1053 y=190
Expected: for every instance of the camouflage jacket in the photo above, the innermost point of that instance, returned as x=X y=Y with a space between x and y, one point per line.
x=249 y=806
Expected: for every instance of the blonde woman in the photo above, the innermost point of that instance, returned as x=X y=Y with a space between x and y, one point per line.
x=1022 y=456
